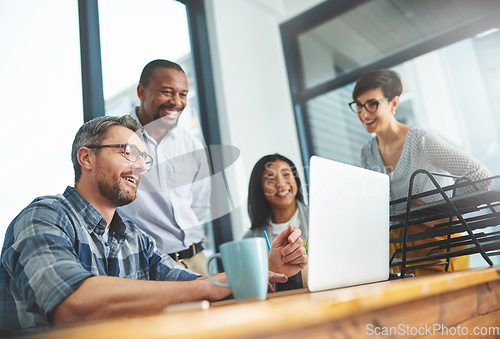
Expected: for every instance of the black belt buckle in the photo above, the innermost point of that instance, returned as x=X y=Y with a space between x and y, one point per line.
x=187 y=253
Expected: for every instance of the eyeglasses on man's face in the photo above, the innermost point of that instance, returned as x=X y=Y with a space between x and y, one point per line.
x=131 y=153
x=371 y=106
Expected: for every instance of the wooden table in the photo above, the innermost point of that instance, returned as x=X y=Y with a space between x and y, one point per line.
x=412 y=307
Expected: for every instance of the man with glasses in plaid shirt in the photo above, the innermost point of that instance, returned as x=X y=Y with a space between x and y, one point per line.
x=71 y=257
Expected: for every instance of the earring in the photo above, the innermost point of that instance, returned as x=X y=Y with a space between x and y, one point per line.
x=393 y=112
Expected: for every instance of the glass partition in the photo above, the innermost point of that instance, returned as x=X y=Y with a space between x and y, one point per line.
x=449 y=91
x=377 y=29
x=446 y=52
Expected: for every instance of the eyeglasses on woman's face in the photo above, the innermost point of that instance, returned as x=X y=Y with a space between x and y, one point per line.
x=370 y=106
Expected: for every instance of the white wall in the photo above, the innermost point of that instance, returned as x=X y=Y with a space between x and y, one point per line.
x=251 y=83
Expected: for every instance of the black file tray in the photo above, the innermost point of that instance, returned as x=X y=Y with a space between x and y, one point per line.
x=455 y=217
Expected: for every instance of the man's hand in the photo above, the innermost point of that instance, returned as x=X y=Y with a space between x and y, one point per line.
x=215 y=292
x=287 y=255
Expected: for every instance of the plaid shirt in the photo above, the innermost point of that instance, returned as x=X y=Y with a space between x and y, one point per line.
x=56 y=243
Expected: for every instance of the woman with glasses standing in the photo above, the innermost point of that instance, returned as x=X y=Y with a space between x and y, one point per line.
x=399 y=150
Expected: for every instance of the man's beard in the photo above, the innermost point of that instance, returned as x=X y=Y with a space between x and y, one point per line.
x=114 y=194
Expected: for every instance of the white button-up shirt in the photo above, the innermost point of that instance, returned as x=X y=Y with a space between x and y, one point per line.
x=173 y=198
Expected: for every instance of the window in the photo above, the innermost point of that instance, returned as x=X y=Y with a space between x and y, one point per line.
x=41 y=95
x=446 y=53
x=458 y=105
x=134 y=33
x=128 y=43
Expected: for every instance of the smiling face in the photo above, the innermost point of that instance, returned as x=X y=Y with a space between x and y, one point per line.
x=279 y=185
x=164 y=98
x=379 y=120
x=118 y=178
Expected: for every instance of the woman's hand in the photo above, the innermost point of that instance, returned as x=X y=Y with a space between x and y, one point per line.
x=287 y=255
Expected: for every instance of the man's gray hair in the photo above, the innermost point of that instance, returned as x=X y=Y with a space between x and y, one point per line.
x=93 y=132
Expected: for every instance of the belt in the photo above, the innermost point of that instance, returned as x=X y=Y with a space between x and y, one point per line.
x=187 y=253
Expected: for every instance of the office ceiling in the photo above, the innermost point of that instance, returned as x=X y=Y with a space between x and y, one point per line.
x=371 y=31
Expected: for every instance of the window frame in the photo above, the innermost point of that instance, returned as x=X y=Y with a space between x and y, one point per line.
x=92 y=83
x=290 y=32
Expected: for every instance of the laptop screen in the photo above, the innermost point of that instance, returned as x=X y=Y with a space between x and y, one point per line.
x=348 y=225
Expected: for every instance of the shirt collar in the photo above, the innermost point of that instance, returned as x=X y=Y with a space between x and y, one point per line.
x=94 y=221
x=133 y=114
x=145 y=135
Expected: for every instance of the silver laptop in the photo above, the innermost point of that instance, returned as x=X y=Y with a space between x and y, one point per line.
x=348 y=225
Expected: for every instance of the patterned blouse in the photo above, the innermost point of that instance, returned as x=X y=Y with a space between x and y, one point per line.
x=423 y=150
